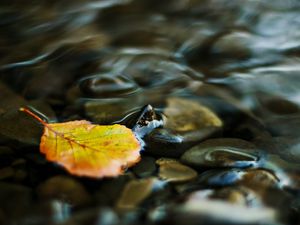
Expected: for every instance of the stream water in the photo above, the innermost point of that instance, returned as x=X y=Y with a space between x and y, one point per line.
x=223 y=78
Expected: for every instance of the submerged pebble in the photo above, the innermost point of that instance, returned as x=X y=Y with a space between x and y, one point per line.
x=183 y=115
x=145 y=168
x=97 y=215
x=186 y=122
x=222 y=153
x=106 y=111
x=109 y=190
x=220 y=177
x=134 y=193
x=107 y=86
x=254 y=179
x=197 y=81
x=238 y=195
x=174 y=172
x=65 y=189
x=222 y=212
x=260 y=179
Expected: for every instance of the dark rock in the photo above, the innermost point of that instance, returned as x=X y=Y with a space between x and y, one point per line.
x=16 y=126
x=222 y=153
x=218 y=177
x=109 y=191
x=186 y=122
x=220 y=212
x=235 y=45
x=145 y=168
x=166 y=143
x=94 y=216
x=134 y=193
x=237 y=195
x=147 y=121
x=65 y=189
x=107 y=86
x=106 y=111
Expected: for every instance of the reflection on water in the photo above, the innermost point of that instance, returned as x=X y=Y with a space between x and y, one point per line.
x=102 y=60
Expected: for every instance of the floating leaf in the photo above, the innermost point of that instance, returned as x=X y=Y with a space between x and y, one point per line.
x=87 y=149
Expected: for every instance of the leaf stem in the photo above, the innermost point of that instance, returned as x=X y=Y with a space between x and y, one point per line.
x=26 y=110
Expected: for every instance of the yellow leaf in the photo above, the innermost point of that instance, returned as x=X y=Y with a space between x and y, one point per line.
x=87 y=149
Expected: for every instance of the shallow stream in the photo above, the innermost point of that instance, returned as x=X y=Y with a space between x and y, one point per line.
x=223 y=78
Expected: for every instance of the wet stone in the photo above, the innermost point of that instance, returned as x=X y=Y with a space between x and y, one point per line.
x=109 y=191
x=209 y=69
x=25 y=131
x=275 y=198
x=220 y=178
x=105 y=111
x=46 y=212
x=183 y=115
x=231 y=195
x=165 y=142
x=210 y=211
x=147 y=121
x=134 y=193
x=93 y=216
x=214 y=178
x=155 y=73
x=157 y=214
x=65 y=189
x=186 y=122
x=162 y=142
x=222 y=153
x=286 y=126
x=174 y=172
x=58 y=211
x=239 y=195
x=236 y=45
x=252 y=178
x=290 y=145
x=145 y=168
x=107 y=86
x=278 y=106
x=260 y=179
x=19 y=128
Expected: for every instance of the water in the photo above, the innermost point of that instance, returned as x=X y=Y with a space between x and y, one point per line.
x=105 y=60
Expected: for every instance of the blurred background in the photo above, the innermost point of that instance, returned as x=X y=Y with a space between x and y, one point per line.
x=213 y=68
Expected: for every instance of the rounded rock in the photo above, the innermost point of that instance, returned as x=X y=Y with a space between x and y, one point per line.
x=222 y=153
x=107 y=86
x=65 y=189
x=174 y=172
